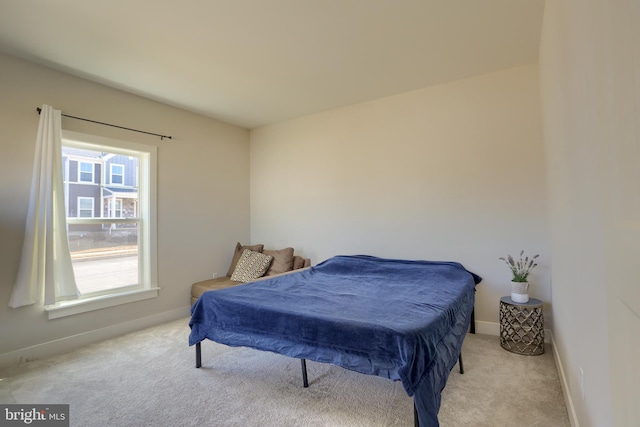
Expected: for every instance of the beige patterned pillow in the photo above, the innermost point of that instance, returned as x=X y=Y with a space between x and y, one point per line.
x=238 y=251
x=251 y=265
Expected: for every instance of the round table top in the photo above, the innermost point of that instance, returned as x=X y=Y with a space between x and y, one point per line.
x=531 y=303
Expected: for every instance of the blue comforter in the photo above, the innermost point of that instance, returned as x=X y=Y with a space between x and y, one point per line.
x=399 y=319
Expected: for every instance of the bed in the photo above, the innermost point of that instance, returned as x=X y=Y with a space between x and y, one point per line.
x=400 y=319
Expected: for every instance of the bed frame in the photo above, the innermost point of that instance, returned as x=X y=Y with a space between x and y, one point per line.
x=305 y=378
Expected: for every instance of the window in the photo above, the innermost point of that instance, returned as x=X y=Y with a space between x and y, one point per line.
x=85 y=207
x=85 y=172
x=111 y=229
x=117 y=174
x=116 y=208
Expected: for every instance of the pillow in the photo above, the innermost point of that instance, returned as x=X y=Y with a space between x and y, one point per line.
x=282 y=260
x=238 y=251
x=251 y=265
x=298 y=262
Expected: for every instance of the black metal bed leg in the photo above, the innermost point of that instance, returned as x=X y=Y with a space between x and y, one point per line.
x=416 y=421
x=198 y=355
x=473 y=321
x=305 y=382
x=460 y=363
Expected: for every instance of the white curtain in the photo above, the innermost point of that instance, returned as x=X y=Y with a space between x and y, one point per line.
x=46 y=274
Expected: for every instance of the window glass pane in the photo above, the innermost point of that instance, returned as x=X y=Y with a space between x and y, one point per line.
x=104 y=256
x=111 y=217
x=117 y=174
x=117 y=193
x=85 y=207
x=86 y=172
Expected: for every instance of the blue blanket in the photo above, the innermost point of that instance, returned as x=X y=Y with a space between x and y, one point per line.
x=399 y=319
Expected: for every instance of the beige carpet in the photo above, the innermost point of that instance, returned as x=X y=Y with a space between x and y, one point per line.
x=148 y=379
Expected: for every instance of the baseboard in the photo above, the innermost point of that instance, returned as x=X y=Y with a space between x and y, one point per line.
x=571 y=410
x=492 y=328
x=66 y=344
x=487 y=328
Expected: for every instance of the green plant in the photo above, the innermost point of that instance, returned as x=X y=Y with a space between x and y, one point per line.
x=520 y=268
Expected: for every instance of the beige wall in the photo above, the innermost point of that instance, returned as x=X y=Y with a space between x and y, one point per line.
x=453 y=172
x=590 y=88
x=203 y=196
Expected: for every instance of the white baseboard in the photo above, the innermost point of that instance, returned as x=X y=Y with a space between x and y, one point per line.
x=492 y=328
x=66 y=344
x=487 y=328
x=573 y=418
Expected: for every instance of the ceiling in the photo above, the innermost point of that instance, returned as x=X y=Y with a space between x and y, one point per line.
x=257 y=62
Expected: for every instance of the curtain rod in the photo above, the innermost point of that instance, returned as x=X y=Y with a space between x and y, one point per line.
x=162 y=137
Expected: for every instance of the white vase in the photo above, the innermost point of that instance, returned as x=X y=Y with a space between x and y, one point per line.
x=520 y=292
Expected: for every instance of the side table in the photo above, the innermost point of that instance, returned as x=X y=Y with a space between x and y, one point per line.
x=522 y=326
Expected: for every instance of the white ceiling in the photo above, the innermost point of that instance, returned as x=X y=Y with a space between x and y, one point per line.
x=256 y=62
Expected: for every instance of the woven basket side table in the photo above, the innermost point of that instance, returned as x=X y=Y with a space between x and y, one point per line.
x=522 y=326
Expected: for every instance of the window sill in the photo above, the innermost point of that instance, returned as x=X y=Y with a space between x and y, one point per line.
x=69 y=308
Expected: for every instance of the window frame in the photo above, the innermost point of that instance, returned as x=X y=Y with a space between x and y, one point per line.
x=147 y=233
x=80 y=172
x=111 y=174
x=78 y=209
x=115 y=211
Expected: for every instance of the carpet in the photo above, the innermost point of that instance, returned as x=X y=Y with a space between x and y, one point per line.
x=148 y=378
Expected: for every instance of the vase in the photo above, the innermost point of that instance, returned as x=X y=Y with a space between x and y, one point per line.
x=520 y=292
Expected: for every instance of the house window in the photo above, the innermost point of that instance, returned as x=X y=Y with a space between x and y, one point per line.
x=85 y=171
x=116 y=211
x=85 y=207
x=112 y=231
x=117 y=174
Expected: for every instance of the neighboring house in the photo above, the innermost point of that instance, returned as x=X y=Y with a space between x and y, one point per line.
x=99 y=185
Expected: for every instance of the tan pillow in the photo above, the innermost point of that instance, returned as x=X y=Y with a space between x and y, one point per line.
x=282 y=260
x=298 y=262
x=238 y=251
x=250 y=266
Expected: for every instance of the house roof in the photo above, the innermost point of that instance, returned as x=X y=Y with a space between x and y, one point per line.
x=120 y=193
x=121 y=190
x=256 y=62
